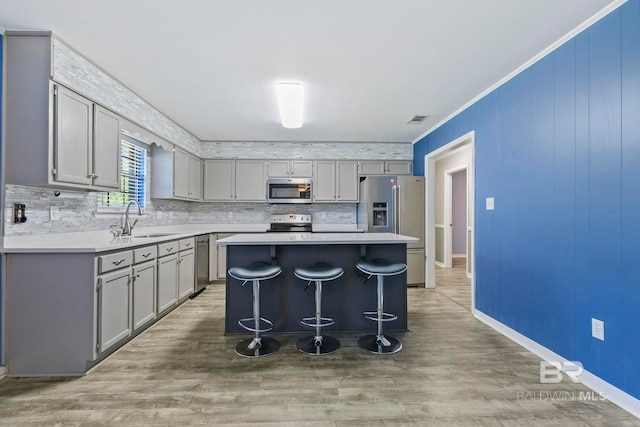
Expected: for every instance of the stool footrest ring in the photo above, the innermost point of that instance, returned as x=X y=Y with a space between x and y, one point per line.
x=251 y=321
x=324 y=321
x=373 y=315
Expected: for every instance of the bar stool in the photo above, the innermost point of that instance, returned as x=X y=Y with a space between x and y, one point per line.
x=318 y=344
x=258 y=345
x=380 y=343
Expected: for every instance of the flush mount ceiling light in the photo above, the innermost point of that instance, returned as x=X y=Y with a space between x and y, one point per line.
x=290 y=104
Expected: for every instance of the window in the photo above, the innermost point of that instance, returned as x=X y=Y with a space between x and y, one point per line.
x=132 y=176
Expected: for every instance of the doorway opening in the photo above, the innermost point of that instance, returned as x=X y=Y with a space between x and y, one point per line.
x=448 y=231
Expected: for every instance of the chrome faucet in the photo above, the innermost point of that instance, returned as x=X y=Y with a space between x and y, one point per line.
x=128 y=227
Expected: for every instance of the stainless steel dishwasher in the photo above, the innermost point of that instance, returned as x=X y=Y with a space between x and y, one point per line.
x=202 y=263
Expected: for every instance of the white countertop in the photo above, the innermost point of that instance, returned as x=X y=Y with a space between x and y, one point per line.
x=316 y=239
x=103 y=240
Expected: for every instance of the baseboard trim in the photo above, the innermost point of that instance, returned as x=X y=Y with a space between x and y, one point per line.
x=595 y=383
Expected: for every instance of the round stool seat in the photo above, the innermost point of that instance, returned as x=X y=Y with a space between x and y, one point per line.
x=319 y=271
x=381 y=267
x=257 y=271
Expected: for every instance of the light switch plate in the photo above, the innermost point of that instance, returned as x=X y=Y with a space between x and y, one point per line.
x=597 y=329
x=490 y=203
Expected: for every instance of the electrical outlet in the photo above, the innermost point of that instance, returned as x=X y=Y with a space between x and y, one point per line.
x=230 y=214
x=597 y=329
x=159 y=214
x=54 y=213
x=323 y=215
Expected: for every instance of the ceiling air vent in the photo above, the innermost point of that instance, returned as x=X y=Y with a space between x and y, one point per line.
x=416 y=119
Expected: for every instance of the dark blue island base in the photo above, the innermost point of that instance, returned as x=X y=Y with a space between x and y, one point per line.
x=283 y=299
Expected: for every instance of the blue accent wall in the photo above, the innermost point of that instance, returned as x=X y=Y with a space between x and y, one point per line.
x=558 y=146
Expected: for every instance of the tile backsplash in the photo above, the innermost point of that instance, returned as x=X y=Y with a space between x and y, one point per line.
x=78 y=212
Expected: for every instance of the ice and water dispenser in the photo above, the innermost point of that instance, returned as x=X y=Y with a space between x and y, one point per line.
x=380 y=216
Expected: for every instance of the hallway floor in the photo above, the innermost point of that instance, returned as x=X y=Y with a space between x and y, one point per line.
x=452 y=371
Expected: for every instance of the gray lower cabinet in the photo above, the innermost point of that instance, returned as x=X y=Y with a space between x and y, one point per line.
x=76 y=308
x=186 y=273
x=144 y=293
x=114 y=314
x=167 y=282
x=186 y=267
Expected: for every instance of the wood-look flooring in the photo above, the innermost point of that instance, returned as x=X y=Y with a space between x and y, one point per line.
x=452 y=371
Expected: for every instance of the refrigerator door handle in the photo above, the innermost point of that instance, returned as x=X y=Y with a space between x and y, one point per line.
x=396 y=208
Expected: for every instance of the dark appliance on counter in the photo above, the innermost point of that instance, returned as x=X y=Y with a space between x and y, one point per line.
x=202 y=264
x=300 y=223
x=289 y=190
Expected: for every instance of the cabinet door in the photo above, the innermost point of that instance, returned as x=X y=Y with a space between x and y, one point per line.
x=186 y=273
x=278 y=169
x=399 y=167
x=144 y=293
x=301 y=169
x=73 y=137
x=180 y=173
x=371 y=167
x=324 y=181
x=219 y=181
x=195 y=178
x=347 y=181
x=106 y=148
x=251 y=181
x=167 y=282
x=114 y=308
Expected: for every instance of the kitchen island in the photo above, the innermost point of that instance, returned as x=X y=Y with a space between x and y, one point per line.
x=283 y=298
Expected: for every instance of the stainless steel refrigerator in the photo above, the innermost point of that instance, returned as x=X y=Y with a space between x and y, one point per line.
x=395 y=204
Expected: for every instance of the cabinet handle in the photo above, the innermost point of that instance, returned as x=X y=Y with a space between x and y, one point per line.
x=170 y=249
x=118 y=261
x=146 y=255
x=187 y=244
x=96 y=175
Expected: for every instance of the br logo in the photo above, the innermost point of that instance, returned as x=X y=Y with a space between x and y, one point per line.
x=551 y=372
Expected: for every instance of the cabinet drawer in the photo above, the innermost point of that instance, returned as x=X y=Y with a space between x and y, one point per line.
x=168 y=248
x=189 y=243
x=145 y=254
x=114 y=261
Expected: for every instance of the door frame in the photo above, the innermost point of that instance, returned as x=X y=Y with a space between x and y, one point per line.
x=448 y=211
x=430 y=159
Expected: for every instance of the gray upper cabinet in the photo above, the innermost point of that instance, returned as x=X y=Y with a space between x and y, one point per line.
x=180 y=173
x=399 y=167
x=175 y=174
x=385 y=167
x=347 y=181
x=251 y=181
x=107 y=128
x=290 y=169
x=335 y=181
x=219 y=180
x=73 y=138
x=86 y=142
x=54 y=136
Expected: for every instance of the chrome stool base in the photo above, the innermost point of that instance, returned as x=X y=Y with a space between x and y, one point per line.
x=374 y=345
x=328 y=344
x=264 y=347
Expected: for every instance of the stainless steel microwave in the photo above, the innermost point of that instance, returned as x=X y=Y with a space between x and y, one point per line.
x=289 y=190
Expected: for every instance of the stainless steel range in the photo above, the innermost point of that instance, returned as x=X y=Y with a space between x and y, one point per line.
x=290 y=223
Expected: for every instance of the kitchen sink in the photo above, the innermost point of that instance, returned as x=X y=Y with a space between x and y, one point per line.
x=151 y=235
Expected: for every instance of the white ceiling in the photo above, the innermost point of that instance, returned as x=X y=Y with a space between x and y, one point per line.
x=367 y=66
